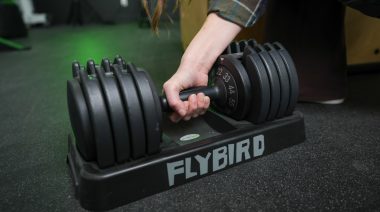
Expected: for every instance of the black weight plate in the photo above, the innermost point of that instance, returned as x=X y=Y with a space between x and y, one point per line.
x=116 y=112
x=99 y=119
x=132 y=106
x=120 y=61
x=228 y=50
x=242 y=45
x=293 y=77
x=257 y=73
x=235 y=48
x=275 y=91
x=75 y=67
x=80 y=120
x=239 y=92
x=252 y=43
x=91 y=67
x=106 y=65
x=156 y=100
x=144 y=91
x=284 y=79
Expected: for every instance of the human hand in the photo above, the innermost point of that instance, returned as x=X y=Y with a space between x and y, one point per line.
x=196 y=104
x=215 y=34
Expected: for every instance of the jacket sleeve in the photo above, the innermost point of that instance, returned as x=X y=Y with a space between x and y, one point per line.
x=242 y=12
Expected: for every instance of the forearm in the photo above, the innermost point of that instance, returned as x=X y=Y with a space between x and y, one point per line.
x=214 y=36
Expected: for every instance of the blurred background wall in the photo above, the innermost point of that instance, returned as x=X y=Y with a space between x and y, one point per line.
x=362 y=32
x=110 y=10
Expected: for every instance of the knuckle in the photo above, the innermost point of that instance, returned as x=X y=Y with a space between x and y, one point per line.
x=166 y=85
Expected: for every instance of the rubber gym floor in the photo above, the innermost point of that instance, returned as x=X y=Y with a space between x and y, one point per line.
x=336 y=168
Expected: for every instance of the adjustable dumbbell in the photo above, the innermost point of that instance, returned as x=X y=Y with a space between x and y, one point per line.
x=116 y=114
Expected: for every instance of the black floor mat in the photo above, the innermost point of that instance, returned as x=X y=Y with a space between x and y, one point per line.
x=337 y=168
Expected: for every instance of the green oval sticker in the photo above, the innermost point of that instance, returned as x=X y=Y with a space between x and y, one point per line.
x=189 y=137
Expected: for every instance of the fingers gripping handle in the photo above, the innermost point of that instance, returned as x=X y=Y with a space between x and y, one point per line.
x=212 y=92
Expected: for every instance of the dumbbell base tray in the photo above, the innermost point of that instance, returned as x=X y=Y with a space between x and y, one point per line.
x=103 y=189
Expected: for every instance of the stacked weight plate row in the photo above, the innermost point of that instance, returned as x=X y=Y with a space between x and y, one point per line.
x=115 y=115
x=239 y=46
x=273 y=77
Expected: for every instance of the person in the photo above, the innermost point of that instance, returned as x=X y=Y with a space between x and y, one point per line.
x=226 y=18
x=220 y=28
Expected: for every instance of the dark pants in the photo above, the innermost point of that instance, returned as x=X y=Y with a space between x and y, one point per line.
x=313 y=33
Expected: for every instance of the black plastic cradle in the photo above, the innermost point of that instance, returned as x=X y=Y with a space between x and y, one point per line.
x=222 y=144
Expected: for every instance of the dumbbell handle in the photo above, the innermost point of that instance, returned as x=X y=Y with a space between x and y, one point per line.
x=212 y=92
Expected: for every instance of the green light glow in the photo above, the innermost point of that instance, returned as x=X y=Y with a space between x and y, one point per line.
x=89 y=47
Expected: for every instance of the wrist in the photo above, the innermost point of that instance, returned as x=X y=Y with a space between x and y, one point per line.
x=194 y=63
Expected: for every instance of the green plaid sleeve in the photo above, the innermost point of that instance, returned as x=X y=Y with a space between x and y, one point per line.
x=242 y=12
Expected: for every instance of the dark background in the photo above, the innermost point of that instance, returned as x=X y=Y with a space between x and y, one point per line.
x=109 y=10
